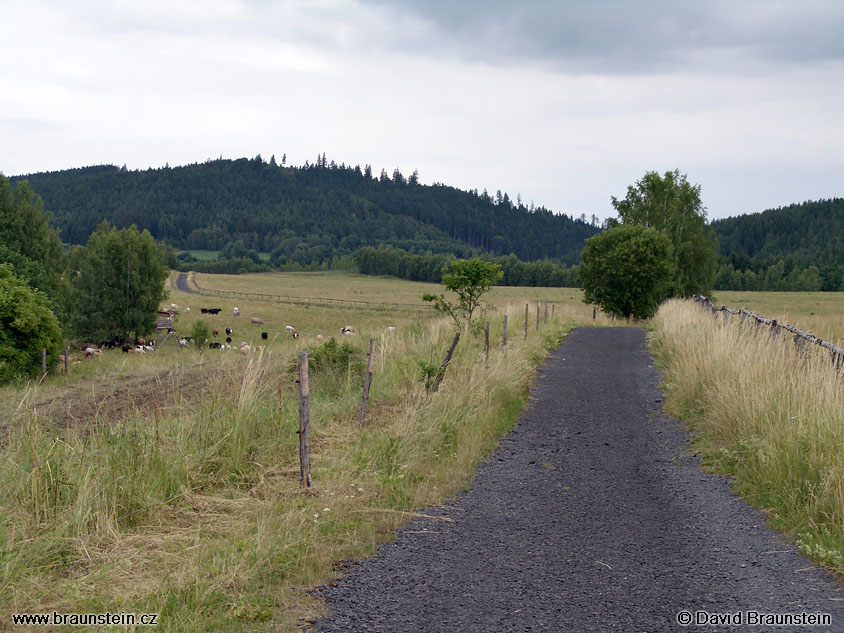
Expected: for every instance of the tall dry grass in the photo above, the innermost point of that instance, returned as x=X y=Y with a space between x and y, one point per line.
x=764 y=412
x=195 y=512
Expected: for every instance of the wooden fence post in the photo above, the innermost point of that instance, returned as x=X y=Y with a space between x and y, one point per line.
x=367 y=382
x=486 y=345
x=66 y=351
x=504 y=334
x=594 y=309
x=304 y=423
x=43 y=363
x=553 y=305
x=537 y=315
x=446 y=361
x=546 y=311
x=526 y=319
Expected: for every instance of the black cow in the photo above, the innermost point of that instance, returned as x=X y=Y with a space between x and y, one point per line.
x=264 y=335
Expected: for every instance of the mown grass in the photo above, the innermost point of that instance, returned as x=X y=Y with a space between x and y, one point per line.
x=765 y=412
x=355 y=287
x=195 y=512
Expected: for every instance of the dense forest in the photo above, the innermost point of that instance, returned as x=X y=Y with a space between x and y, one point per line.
x=327 y=216
x=305 y=215
x=798 y=247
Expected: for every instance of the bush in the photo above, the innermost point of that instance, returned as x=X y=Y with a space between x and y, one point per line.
x=27 y=325
x=200 y=332
x=332 y=357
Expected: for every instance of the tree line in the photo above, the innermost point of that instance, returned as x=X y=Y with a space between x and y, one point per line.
x=797 y=247
x=305 y=215
x=108 y=289
x=386 y=260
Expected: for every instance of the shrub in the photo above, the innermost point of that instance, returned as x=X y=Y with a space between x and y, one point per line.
x=27 y=325
x=200 y=332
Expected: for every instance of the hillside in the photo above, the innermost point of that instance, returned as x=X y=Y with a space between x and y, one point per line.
x=811 y=232
x=797 y=247
x=303 y=214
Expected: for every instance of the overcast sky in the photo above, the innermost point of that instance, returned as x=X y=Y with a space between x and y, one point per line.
x=565 y=102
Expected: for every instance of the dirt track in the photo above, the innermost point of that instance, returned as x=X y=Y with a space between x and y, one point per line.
x=591 y=516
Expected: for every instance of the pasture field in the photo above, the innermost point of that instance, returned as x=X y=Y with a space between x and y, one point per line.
x=820 y=313
x=355 y=287
x=169 y=482
x=212 y=255
x=764 y=411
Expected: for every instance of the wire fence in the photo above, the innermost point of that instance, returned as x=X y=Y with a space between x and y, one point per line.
x=800 y=337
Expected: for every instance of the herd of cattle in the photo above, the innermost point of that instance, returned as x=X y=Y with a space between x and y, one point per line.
x=142 y=346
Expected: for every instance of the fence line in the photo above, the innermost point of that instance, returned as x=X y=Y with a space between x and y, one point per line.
x=836 y=353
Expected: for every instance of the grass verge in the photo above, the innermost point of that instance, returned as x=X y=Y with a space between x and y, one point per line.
x=765 y=413
x=194 y=512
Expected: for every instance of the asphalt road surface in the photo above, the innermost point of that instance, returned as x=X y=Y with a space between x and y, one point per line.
x=592 y=515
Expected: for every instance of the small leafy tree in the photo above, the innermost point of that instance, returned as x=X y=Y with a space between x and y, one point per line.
x=27 y=325
x=119 y=284
x=469 y=279
x=627 y=270
x=199 y=333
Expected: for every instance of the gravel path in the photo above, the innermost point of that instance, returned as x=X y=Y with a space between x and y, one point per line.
x=182 y=284
x=591 y=516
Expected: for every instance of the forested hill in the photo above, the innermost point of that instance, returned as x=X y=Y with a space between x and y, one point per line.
x=305 y=213
x=798 y=247
x=809 y=232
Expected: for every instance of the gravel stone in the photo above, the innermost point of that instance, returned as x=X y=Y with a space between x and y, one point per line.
x=592 y=515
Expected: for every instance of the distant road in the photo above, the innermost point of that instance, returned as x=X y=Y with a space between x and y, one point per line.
x=592 y=515
x=182 y=284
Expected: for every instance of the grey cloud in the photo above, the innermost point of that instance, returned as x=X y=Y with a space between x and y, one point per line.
x=625 y=35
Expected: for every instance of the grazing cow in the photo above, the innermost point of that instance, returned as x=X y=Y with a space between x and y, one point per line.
x=204 y=310
x=140 y=341
x=228 y=330
x=228 y=339
x=215 y=332
x=214 y=345
x=264 y=335
x=289 y=328
x=347 y=330
x=183 y=342
x=187 y=310
x=391 y=329
x=126 y=348
x=319 y=337
x=257 y=321
x=92 y=351
x=173 y=306
x=244 y=348
x=235 y=312
x=214 y=310
x=294 y=334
